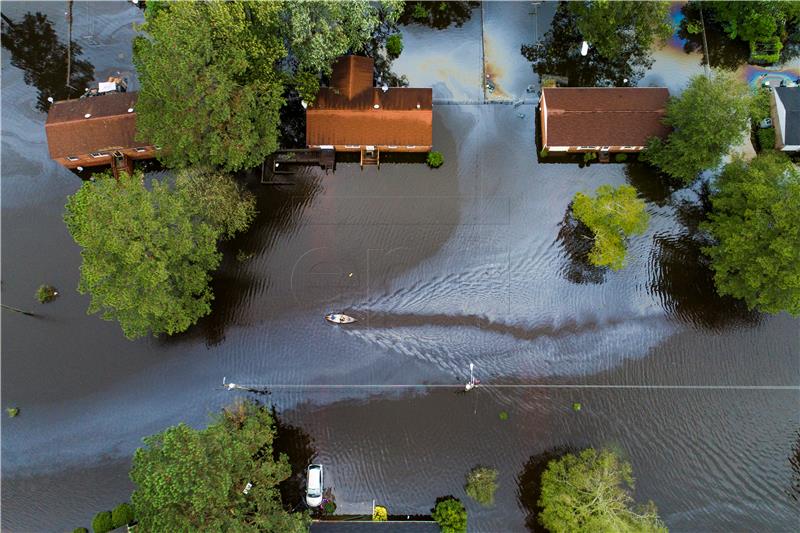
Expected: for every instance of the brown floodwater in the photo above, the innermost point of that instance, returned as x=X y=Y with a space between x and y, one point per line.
x=474 y=262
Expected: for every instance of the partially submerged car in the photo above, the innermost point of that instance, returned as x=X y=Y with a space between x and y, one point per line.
x=314 y=486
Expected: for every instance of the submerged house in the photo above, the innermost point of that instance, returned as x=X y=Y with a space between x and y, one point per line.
x=785 y=110
x=352 y=115
x=602 y=119
x=96 y=131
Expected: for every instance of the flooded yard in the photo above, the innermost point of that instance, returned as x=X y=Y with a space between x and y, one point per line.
x=472 y=262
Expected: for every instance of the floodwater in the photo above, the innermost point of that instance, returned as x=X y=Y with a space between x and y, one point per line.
x=473 y=262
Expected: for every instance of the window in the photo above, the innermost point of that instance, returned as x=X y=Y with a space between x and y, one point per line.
x=139 y=150
x=391 y=146
x=587 y=147
x=97 y=155
x=628 y=147
x=73 y=158
x=411 y=146
x=352 y=146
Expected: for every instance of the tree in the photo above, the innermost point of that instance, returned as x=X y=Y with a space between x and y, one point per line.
x=707 y=120
x=122 y=515
x=147 y=252
x=590 y=492
x=558 y=54
x=190 y=480
x=753 y=222
x=613 y=215
x=102 y=523
x=481 y=485
x=450 y=514
x=757 y=20
x=611 y=26
x=211 y=91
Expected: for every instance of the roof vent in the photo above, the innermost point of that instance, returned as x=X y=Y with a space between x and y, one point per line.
x=418 y=106
x=130 y=110
x=50 y=99
x=87 y=115
x=377 y=106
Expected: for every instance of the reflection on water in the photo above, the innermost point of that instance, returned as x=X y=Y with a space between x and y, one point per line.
x=558 y=54
x=688 y=294
x=576 y=240
x=298 y=446
x=794 y=460
x=36 y=49
x=438 y=14
x=723 y=52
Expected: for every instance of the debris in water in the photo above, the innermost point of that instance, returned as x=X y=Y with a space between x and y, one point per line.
x=503 y=415
x=576 y=406
x=12 y=411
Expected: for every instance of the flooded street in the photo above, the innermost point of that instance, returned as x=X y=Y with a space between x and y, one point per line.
x=471 y=262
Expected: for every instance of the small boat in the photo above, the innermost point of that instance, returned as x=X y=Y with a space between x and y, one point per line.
x=339 y=318
x=314 y=485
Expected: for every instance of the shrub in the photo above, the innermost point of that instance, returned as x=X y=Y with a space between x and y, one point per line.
x=766 y=52
x=419 y=13
x=621 y=158
x=451 y=515
x=766 y=138
x=435 y=159
x=481 y=485
x=503 y=415
x=329 y=507
x=80 y=530
x=380 y=514
x=394 y=44
x=46 y=293
x=544 y=152
x=102 y=522
x=588 y=156
x=12 y=411
x=122 y=515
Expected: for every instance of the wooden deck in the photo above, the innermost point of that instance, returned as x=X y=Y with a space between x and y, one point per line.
x=285 y=163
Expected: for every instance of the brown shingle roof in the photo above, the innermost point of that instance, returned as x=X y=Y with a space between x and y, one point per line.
x=109 y=127
x=597 y=116
x=346 y=113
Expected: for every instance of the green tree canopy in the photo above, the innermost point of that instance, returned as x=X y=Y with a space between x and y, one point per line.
x=708 y=118
x=590 y=493
x=481 y=485
x=450 y=514
x=211 y=92
x=611 y=26
x=194 y=480
x=613 y=215
x=147 y=252
x=755 y=20
x=754 y=224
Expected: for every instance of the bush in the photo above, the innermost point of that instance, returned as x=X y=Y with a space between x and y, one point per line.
x=46 y=293
x=380 y=514
x=329 y=507
x=80 y=530
x=435 y=159
x=420 y=12
x=451 y=515
x=481 y=485
x=766 y=52
x=766 y=138
x=122 y=515
x=588 y=156
x=621 y=158
x=102 y=522
x=12 y=411
x=544 y=152
x=394 y=44
x=760 y=105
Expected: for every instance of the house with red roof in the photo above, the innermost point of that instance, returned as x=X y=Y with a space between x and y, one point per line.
x=352 y=115
x=602 y=119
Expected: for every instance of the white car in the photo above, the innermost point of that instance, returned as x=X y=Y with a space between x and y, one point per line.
x=314 y=486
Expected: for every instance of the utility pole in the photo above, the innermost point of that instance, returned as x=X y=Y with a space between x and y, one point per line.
x=69 y=43
x=26 y=313
x=705 y=43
